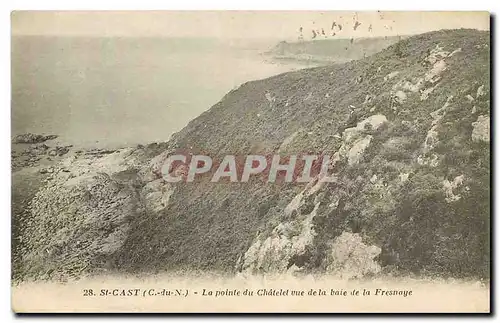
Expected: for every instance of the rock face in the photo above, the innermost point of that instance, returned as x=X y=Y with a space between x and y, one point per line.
x=410 y=159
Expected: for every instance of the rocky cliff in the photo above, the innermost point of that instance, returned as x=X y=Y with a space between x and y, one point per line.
x=332 y=50
x=408 y=129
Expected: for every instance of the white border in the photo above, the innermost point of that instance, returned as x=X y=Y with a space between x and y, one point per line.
x=8 y=6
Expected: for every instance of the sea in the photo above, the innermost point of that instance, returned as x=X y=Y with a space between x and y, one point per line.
x=110 y=92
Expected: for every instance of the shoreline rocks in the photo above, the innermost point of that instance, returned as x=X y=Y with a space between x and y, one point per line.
x=31 y=138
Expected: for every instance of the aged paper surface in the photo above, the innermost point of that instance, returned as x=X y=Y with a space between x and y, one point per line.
x=250 y=161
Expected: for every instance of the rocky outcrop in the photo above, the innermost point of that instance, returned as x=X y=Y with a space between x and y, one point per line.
x=450 y=188
x=481 y=129
x=31 y=138
x=356 y=140
x=349 y=257
x=289 y=240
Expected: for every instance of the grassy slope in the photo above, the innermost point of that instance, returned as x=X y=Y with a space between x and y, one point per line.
x=211 y=225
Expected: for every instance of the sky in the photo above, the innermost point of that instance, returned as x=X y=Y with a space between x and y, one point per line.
x=283 y=25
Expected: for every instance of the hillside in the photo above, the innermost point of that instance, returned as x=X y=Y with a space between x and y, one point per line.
x=408 y=129
x=332 y=50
